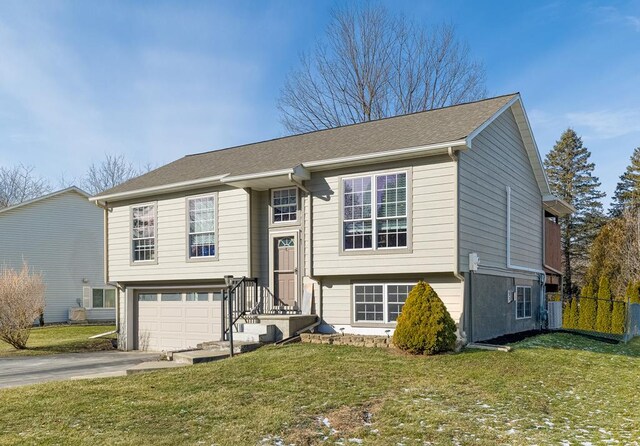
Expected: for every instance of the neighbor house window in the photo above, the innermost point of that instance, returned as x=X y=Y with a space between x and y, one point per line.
x=144 y=233
x=104 y=298
x=375 y=211
x=523 y=302
x=202 y=227
x=284 y=203
x=379 y=303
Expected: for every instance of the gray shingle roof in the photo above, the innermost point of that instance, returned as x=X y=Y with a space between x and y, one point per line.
x=418 y=129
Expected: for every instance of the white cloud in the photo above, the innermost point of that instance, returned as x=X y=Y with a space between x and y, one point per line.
x=606 y=124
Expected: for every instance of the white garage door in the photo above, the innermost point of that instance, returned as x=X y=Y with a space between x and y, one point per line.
x=177 y=320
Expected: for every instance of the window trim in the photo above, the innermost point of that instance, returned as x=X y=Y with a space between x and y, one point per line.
x=188 y=257
x=524 y=302
x=272 y=221
x=155 y=237
x=374 y=250
x=103 y=289
x=385 y=302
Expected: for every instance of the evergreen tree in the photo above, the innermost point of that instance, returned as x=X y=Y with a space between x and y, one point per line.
x=571 y=178
x=603 y=313
x=627 y=193
x=587 y=310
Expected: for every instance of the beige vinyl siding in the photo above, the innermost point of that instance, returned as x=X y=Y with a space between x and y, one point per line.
x=496 y=160
x=431 y=220
x=260 y=235
x=171 y=240
x=61 y=237
x=337 y=299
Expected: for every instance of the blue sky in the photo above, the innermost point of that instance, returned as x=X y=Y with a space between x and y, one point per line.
x=158 y=80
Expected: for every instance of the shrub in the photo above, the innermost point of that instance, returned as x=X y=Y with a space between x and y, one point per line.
x=618 y=317
x=424 y=324
x=587 y=310
x=603 y=313
x=21 y=303
x=633 y=292
x=570 y=314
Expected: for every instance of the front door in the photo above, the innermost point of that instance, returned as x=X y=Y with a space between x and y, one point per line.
x=285 y=269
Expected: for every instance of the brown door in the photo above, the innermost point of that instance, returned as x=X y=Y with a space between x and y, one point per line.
x=285 y=270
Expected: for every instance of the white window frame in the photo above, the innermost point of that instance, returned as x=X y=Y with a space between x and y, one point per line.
x=374 y=212
x=385 y=301
x=154 y=206
x=524 y=302
x=273 y=210
x=191 y=258
x=104 y=298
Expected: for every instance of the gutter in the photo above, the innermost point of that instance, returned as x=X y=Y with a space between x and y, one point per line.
x=165 y=188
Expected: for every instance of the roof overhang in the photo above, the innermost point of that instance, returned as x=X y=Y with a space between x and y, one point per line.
x=165 y=188
x=557 y=206
x=269 y=180
x=390 y=155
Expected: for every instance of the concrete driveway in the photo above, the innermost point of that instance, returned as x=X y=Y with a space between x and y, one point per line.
x=31 y=370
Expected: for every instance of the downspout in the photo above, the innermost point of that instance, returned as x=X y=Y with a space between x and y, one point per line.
x=298 y=183
x=456 y=239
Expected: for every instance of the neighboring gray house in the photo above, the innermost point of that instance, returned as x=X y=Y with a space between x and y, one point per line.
x=61 y=236
x=338 y=225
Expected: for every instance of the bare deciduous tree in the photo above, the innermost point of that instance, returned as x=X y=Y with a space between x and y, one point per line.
x=21 y=303
x=112 y=171
x=19 y=184
x=373 y=65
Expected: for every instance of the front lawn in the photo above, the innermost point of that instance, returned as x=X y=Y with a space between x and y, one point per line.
x=61 y=339
x=552 y=389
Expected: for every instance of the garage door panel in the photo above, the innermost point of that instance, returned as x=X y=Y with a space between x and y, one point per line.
x=176 y=325
x=172 y=311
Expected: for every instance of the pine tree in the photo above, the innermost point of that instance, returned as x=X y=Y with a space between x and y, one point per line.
x=571 y=178
x=603 y=313
x=627 y=193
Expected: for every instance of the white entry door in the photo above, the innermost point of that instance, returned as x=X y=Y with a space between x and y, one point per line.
x=177 y=320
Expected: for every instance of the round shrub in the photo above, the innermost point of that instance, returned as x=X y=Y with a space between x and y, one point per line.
x=424 y=326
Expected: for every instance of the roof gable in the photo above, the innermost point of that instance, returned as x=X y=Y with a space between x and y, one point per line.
x=72 y=189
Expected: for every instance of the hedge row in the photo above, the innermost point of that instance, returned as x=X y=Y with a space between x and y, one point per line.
x=604 y=313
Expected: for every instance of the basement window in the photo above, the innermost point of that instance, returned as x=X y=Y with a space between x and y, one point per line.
x=379 y=303
x=523 y=302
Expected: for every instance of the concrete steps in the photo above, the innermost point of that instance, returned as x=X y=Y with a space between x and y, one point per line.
x=238 y=346
x=199 y=356
x=256 y=332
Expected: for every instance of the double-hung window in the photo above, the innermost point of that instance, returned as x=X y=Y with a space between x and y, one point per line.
x=202 y=227
x=523 y=302
x=103 y=298
x=375 y=212
x=143 y=235
x=379 y=303
x=284 y=203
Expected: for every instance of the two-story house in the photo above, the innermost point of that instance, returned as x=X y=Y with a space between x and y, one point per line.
x=339 y=224
x=60 y=235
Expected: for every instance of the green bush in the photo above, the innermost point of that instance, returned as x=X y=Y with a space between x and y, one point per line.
x=587 y=291
x=570 y=314
x=603 y=313
x=633 y=292
x=587 y=310
x=424 y=325
x=618 y=318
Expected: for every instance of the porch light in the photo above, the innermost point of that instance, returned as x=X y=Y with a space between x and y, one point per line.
x=228 y=279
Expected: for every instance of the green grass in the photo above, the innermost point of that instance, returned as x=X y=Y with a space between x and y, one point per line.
x=61 y=339
x=552 y=389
